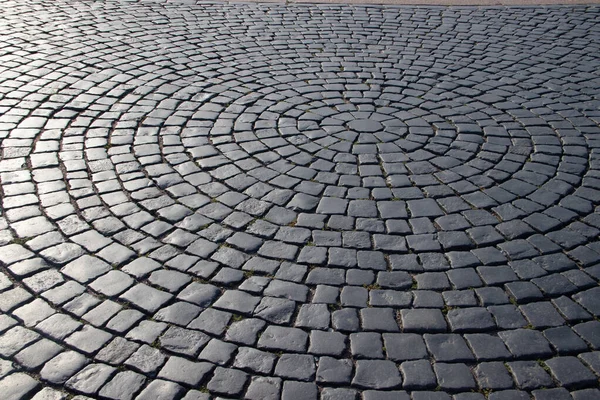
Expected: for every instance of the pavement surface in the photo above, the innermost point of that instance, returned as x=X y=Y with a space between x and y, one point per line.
x=299 y=202
x=427 y=3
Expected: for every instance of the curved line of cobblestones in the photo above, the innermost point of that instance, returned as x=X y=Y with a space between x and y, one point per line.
x=298 y=202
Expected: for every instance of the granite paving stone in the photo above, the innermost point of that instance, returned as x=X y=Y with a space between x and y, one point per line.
x=454 y=377
x=509 y=394
x=423 y=320
x=487 y=347
x=264 y=388
x=160 y=389
x=417 y=375
x=493 y=376
x=146 y=359
x=90 y=379
x=254 y=360
x=227 y=381
x=296 y=366
x=564 y=340
x=218 y=352
x=146 y=297
x=38 y=353
x=334 y=371
x=62 y=367
x=376 y=374
x=570 y=372
x=183 y=371
x=529 y=375
x=585 y=394
x=555 y=393
x=588 y=331
x=280 y=338
x=404 y=346
x=299 y=390
x=592 y=360
x=272 y=200
x=327 y=343
x=18 y=385
x=448 y=347
x=526 y=343
x=366 y=345
x=123 y=385
x=471 y=319
x=117 y=351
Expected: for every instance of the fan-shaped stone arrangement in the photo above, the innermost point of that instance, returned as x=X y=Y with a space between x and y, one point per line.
x=299 y=202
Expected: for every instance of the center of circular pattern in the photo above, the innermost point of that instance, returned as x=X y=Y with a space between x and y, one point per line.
x=358 y=125
x=365 y=125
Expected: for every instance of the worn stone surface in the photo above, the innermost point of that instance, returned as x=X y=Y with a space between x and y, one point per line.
x=264 y=201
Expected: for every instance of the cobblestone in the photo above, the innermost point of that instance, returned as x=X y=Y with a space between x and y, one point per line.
x=270 y=201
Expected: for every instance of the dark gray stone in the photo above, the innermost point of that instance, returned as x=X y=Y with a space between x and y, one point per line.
x=526 y=343
x=227 y=381
x=299 y=391
x=423 y=320
x=366 y=345
x=264 y=388
x=285 y=339
x=296 y=366
x=529 y=375
x=334 y=371
x=404 y=346
x=454 y=377
x=418 y=375
x=160 y=389
x=373 y=374
x=570 y=372
x=254 y=360
x=448 y=348
x=493 y=376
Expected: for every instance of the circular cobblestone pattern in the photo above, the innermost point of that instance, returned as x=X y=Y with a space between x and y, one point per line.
x=299 y=202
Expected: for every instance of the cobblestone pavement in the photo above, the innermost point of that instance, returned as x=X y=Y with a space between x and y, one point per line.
x=264 y=201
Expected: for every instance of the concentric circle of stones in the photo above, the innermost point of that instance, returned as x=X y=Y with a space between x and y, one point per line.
x=265 y=201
